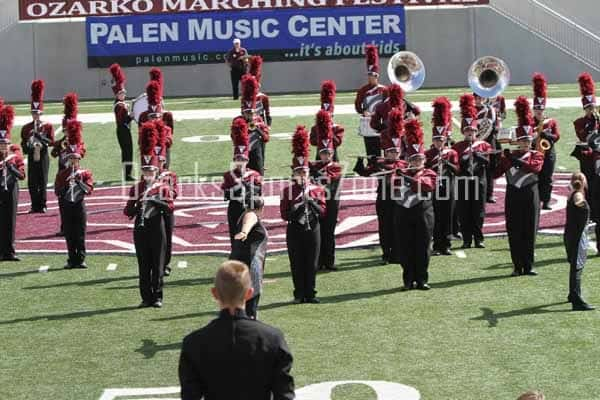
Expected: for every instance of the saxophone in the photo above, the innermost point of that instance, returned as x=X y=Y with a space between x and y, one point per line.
x=144 y=205
x=72 y=183
x=542 y=145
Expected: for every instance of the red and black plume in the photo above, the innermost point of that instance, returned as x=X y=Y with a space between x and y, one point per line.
x=7 y=118
x=300 y=147
x=524 y=118
x=372 y=59
x=395 y=95
x=240 y=138
x=328 y=92
x=587 y=88
x=324 y=126
x=157 y=76
x=468 y=112
x=414 y=138
x=153 y=94
x=540 y=88
x=442 y=117
x=255 y=70
x=37 y=95
x=249 y=92
x=71 y=102
x=118 y=78
x=74 y=132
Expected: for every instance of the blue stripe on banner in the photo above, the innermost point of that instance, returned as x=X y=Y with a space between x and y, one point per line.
x=299 y=30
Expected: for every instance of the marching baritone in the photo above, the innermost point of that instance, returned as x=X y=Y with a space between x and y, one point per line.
x=36 y=137
x=522 y=202
x=71 y=186
x=257 y=129
x=169 y=178
x=12 y=170
x=123 y=120
x=148 y=201
x=302 y=205
x=367 y=98
x=471 y=181
x=263 y=109
x=327 y=173
x=239 y=183
x=545 y=138
x=413 y=188
x=383 y=168
x=586 y=129
x=444 y=161
x=325 y=116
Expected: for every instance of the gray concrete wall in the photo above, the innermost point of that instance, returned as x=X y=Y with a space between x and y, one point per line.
x=448 y=40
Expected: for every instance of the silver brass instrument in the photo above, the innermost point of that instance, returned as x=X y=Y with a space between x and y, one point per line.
x=406 y=69
x=306 y=215
x=488 y=76
x=35 y=142
x=5 y=170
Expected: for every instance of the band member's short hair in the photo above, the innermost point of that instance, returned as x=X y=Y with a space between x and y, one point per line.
x=532 y=395
x=232 y=282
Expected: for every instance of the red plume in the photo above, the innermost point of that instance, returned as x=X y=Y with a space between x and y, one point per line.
x=161 y=130
x=540 y=85
x=586 y=84
x=7 y=117
x=37 y=91
x=372 y=58
x=153 y=93
x=157 y=76
x=524 y=116
x=71 y=106
x=328 y=91
x=256 y=63
x=396 y=122
x=442 y=112
x=118 y=77
x=324 y=127
x=249 y=92
x=239 y=132
x=168 y=120
x=467 y=106
x=300 y=142
x=414 y=132
x=74 y=135
x=396 y=95
x=148 y=138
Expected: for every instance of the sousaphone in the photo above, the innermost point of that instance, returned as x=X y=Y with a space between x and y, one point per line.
x=406 y=69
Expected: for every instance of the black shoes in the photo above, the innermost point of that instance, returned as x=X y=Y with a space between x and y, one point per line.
x=167 y=271
x=423 y=286
x=492 y=200
x=143 y=304
x=297 y=301
x=532 y=272
x=157 y=304
x=10 y=257
x=516 y=272
x=129 y=178
x=312 y=300
x=546 y=206
x=331 y=268
x=479 y=245
x=60 y=233
x=466 y=246
x=583 y=307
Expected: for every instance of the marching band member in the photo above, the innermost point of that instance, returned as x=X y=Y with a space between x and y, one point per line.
x=413 y=211
x=71 y=186
x=576 y=240
x=325 y=116
x=382 y=167
x=263 y=109
x=123 y=120
x=12 y=170
x=169 y=178
x=368 y=96
x=498 y=103
x=486 y=113
x=156 y=75
x=302 y=205
x=586 y=129
x=472 y=183
x=36 y=137
x=258 y=130
x=148 y=200
x=444 y=161
x=545 y=129
x=240 y=181
x=327 y=173
x=522 y=201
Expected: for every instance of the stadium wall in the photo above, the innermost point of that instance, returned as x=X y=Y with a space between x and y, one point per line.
x=448 y=40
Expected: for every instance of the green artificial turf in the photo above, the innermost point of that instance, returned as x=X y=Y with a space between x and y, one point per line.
x=478 y=334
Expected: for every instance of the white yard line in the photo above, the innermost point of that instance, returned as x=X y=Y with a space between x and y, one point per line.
x=111 y=267
x=460 y=254
x=182 y=264
x=44 y=268
x=287 y=111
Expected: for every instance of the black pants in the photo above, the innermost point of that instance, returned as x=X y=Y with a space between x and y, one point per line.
x=37 y=180
x=303 y=251
x=522 y=211
x=236 y=76
x=372 y=145
x=545 y=176
x=9 y=202
x=235 y=209
x=442 y=228
x=169 y=225
x=150 y=246
x=256 y=158
x=74 y=225
x=252 y=306
x=126 y=145
x=471 y=207
x=327 y=252
x=385 y=222
x=413 y=228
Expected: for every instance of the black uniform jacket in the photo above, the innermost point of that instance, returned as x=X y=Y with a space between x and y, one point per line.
x=236 y=358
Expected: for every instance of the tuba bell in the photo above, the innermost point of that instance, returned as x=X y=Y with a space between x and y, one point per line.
x=406 y=69
x=488 y=76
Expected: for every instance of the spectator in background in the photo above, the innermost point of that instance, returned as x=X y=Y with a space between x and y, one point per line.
x=235 y=357
x=236 y=59
x=532 y=395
